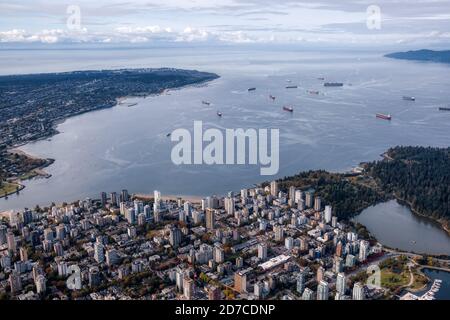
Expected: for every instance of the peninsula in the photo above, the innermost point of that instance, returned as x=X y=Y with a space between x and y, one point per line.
x=30 y=105
x=422 y=55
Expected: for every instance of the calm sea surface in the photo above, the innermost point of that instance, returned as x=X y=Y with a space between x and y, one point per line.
x=127 y=147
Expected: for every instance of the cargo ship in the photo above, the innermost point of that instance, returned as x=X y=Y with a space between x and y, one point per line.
x=289 y=109
x=444 y=108
x=206 y=102
x=291 y=87
x=409 y=98
x=219 y=113
x=384 y=116
x=333 y=84
x=251 y=89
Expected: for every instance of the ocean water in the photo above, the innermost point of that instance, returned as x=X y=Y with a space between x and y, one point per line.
x=127 y=147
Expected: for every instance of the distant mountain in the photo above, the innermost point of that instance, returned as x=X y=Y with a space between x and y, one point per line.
x=422 y=55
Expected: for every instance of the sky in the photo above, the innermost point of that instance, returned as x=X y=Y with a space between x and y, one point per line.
x=357 y=22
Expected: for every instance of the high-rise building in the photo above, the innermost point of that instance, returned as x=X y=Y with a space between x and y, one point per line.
x=175 y=237
x=274 y=189
x=262 y=251
x=308 y=199
x=210 y=219
x=322 y=290
x=114 y=199
x=239 y=262
x=23 y=252
x=11 y=240
x=358 y=291
x=48 y=234
x=94 y=277
x=40 y=284
x=301 y=281
x=339 y=249
x=99 y=254
x=15 y=282
x=292 y=193
x=111 y=257
x=308 y=294
x=318 y=204
x=350 y=260
x=289 y=243
x=188 y=288
x=328 y=214
x=298 y=196
x=58 y=249
x=124 y=196
x=229 y=205
x=240 y=282
x=60 y=232
x=130 y=215
x=279 y=233
x=338 y=264
x=179 y=277
x=218 y=253
x=363 y=250
x=3 y=232
x=320 y=272
x=103 y=198
x=341 y=283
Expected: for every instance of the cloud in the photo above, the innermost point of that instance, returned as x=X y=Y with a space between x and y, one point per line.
x=228 y=21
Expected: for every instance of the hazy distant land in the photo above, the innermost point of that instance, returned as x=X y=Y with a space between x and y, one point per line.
x=422 y=55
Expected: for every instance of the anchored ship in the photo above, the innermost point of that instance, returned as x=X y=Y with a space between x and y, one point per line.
x=206 y=102
x=251 y=89
x=291 y=87
x=313 y=92
x=384 y=116
x=333 y=84
x=444 y=108
x=409 y=98
x=272 y=97
x=289 y=109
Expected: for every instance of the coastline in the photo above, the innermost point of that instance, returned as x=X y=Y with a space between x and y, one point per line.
x=41 y=173
x=414 y=211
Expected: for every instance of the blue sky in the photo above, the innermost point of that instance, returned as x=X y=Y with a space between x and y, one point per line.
x=415 y=23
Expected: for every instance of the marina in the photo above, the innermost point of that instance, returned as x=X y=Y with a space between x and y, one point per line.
x=429 y=295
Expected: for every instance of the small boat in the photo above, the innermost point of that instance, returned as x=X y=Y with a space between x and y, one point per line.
x=219 y=113
x=251 y=89
x=289 y=109
x=206 y=102
x=321 y=78
x=444 y=108
x=313 y=92
x=168 y=135
x=272 y=97
x=384 y=116
x=291 y=87
x=406 y=98
x=333 y=84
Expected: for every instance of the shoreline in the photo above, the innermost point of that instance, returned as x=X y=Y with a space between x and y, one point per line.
x=40 y=172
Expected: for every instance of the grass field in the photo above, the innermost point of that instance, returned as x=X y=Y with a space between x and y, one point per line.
x=8 y=188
